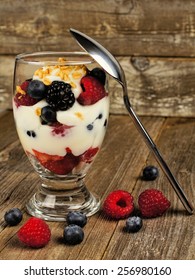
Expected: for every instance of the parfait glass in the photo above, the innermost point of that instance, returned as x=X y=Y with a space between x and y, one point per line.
x=61 y=110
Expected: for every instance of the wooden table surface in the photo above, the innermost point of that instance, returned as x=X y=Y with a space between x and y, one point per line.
x=118 y=166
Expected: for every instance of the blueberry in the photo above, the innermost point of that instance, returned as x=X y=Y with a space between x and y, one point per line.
x=73 y=234
x=28 y=133
x=100 y=116
x=37 y=89
x=99 y=74
x=13 y=216
x=150 y=173
x=133 y=224
x=105 y=122
x=76 y=218
x=89 y=126
x=48 y=114
x=31 y=133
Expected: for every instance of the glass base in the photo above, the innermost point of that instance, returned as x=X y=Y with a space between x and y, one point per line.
x=54 y=200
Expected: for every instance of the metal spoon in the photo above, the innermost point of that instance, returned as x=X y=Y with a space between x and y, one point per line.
x=113 y=68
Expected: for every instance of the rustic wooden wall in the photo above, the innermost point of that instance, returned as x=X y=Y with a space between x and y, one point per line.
x=153 y=40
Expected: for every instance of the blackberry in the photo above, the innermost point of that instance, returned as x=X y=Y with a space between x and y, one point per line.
x=60 y=96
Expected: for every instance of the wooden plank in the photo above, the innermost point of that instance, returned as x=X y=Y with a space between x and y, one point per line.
x=170 y=236
x=157 y=86
x=153 y=28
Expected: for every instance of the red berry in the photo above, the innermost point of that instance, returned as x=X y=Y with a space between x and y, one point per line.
x=22 y=98
x=93 y=91
x=60 y=129
x=63 y=166
x=24 y=85
x=153 y=203
x=35 y=233
x=43 y=157
x=118 y=204
x=89 y=154
x=58 y=164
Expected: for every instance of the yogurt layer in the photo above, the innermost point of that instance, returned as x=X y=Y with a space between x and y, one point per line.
x=84 y=127
x=77 y=132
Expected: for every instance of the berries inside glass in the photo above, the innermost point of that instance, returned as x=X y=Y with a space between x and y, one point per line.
x=61 y=110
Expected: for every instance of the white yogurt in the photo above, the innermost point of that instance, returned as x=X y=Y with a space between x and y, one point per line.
x=85 y=124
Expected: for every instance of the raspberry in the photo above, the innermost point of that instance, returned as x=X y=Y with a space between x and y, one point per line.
x=22 y=98
x=93 y=91
x=118 y=204
x=24 y=85
x=153 y=203
x=35 y=233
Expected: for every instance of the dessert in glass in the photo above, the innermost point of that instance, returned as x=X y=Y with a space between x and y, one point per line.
x=61 y=110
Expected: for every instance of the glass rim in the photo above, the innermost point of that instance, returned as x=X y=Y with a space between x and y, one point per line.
x=37 y=58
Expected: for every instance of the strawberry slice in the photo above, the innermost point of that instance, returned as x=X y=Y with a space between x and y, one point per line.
x=63 y=166
x=60 y=165
x=89 y=154
x=93 y=91
x=43 y=157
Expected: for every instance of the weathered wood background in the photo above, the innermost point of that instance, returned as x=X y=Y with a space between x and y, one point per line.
x=153 y=40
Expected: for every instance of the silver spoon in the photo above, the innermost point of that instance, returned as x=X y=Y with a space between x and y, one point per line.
x=113 y=68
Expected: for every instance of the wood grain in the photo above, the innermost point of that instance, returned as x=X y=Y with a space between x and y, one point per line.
x=118 y=166
x=151 y=28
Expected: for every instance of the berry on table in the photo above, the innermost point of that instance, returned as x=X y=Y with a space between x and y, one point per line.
x=73 y=234
x=35 y=233
x=36 y=89
x=118 y=204
x=153 y=203
x=133 y=224
x=77 y=218
x=13 y=216
x=150 y=173
x=60 y=96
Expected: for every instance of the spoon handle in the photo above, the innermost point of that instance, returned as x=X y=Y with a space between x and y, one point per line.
x=158 y=156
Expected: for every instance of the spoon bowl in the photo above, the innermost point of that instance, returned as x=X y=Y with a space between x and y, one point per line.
x=110 y=64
